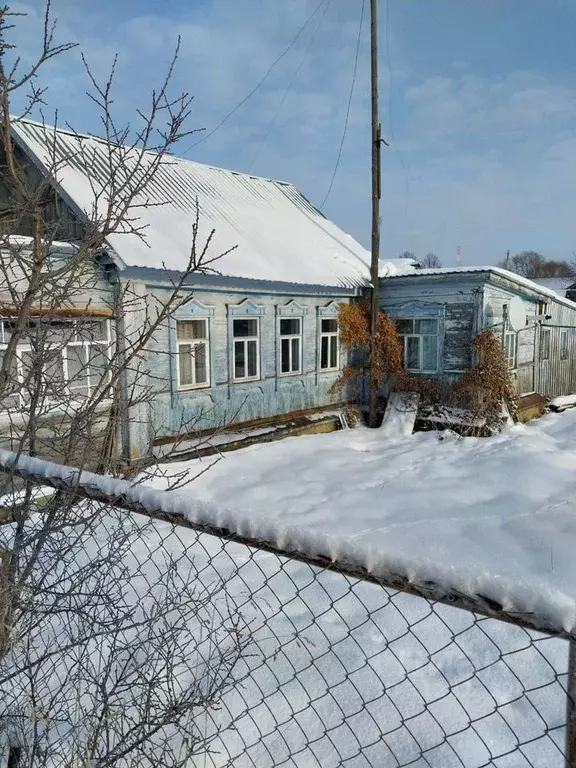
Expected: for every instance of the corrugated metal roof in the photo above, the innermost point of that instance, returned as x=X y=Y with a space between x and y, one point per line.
x=279 y=235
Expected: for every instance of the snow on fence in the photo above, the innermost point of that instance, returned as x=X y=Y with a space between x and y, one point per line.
x=189 y=635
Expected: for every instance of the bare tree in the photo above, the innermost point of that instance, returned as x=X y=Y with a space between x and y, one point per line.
x=532 y=264
x=431 y=261
x=106 y=658
x=406 y=255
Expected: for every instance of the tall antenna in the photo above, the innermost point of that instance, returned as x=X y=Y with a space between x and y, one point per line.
x=376 y=191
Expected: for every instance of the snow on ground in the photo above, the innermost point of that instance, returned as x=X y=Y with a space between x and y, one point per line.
x=504 y=506
x=349 y=674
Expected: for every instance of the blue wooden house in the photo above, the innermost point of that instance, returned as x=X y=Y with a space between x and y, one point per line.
x=257 y=340
x=439 y=311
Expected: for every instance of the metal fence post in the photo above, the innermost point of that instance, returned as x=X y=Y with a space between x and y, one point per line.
x=571 y=707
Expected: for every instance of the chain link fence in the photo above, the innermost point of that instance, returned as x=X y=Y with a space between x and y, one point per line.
x=148 y=639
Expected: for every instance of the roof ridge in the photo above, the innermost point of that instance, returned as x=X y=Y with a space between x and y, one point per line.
x=93 y=137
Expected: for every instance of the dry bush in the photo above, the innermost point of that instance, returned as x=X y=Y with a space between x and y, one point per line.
x=475 y=400
x=354 y=322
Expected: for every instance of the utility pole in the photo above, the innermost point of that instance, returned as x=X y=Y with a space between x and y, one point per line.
x=374 y=271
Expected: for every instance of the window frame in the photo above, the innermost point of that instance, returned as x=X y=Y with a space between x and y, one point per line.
x=247 y=309
x=204 y=341
x=62 y=347
x=545 y=348
x=245 y=340
x=511 y=360
x=405 y=336
x=564 y=345
x=332 y=338
x=291 y=337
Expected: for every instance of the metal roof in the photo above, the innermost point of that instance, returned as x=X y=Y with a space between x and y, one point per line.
x=277 y=233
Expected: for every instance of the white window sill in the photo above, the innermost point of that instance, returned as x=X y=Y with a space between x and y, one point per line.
x=290 y=374
x=329 y=370
x=246 y=380
x=194 y=387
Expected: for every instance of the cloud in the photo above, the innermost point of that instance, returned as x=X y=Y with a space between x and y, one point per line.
x=483 y=161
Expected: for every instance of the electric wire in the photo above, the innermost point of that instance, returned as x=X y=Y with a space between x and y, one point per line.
x=269 y=71
x=348 y=106
x=289 y=86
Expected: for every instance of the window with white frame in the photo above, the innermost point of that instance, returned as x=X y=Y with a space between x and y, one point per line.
x=329 y=346
x=510 y=345
x=246 y=348
x=564 y=345
x=420 y=344
x=545 y=343
x=290 y=345
x=58 y=357
x=193 y=353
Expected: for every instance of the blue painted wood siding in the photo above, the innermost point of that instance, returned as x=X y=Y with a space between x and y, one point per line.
x=176 y=412
x=555 y=375
x=457 y=302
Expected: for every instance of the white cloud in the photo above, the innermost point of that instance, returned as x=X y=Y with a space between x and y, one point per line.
x=487 y=163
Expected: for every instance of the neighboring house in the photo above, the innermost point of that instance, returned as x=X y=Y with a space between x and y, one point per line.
x=439 y=311
x=260 y=338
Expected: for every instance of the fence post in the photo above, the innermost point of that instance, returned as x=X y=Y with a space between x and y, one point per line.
x=571 y=707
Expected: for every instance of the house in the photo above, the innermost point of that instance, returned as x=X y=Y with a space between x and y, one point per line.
x=257 y=337
x=254 y=338
x=439 y=311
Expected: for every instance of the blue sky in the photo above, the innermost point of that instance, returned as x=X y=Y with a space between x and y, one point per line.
x=478 y=101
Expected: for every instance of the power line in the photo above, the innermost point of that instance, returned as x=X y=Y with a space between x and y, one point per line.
x=290 y=84
x=262 y=81
x=327 y=195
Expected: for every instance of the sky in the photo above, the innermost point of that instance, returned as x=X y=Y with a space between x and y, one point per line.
x=478 y=104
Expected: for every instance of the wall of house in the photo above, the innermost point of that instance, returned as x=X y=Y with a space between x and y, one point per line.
x=455 y=300
x=174 y=412
x=467 y=302
x=555 y=375
x=91 y=295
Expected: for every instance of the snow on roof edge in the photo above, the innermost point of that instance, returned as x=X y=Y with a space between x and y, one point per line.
x=512 y=276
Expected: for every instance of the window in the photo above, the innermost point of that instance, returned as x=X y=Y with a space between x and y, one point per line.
x=290 y=345
x=510 y=348
x=329 y=344
x=563 y=345
x=420 y=343
x=542 y=307
x=545 y=336
x=193 y=353
x=67 y=357
x=246 y=349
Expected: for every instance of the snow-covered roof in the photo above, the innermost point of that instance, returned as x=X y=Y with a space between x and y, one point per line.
x=278 y=234
x=557 y=284
x=389 y=267
x=25 y=241
x=511 y=276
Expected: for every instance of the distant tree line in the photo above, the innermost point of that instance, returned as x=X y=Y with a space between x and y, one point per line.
x=532 y=264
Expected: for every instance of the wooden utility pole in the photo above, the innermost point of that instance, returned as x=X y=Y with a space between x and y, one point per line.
x=374 y=276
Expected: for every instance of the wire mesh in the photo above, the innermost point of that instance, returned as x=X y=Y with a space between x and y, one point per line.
x=131 y=641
